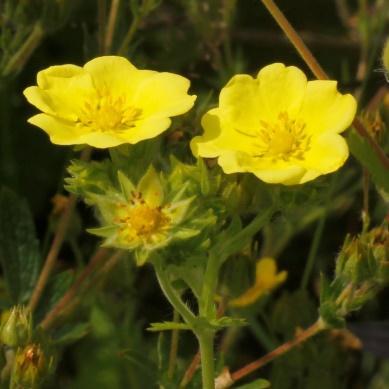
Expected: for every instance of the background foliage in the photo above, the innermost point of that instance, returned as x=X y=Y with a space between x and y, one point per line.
x=103 y=343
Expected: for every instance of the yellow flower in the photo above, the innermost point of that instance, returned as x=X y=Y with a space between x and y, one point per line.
x=266 y=279
x=279 y=126
x=141 y=218
x=107 y=102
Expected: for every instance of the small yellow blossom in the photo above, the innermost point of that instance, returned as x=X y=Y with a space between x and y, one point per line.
x=141 y=218
x=266 y=279
x=107 y=102
x=279 y=126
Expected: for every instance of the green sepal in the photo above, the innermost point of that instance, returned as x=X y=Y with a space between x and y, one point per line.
x=126 y=185
x=104 y=232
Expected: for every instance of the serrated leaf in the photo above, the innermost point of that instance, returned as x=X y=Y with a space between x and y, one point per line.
x=19 y=249
x=257 y=384
x=367 y=157
x=168 y=326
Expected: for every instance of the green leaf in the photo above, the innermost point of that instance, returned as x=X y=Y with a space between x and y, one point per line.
x=55 y=289
x=364 y=153
x=257 y=384
x=19 y=249
x=71 y=333
x=168 y=326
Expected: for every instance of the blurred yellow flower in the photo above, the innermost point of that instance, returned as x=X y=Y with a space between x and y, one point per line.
x=279 y=126
x=266 y=279
x=107 y=102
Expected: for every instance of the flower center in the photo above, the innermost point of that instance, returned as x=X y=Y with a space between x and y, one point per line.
x=108 y=113
x=145 y=220
x=141 y=220
x=285 y=139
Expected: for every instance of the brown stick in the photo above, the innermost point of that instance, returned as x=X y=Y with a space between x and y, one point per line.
x=284 y=348
x=100 y=255
x=53 y=253
x=56 y=245
x=112 y=18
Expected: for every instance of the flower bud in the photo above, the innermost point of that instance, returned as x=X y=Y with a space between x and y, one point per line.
x=31 y=366
x=16 y=327
x=362 y=269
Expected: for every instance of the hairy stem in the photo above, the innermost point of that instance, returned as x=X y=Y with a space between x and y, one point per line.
x=173 y=347
x=206 y=340
x=172 y=295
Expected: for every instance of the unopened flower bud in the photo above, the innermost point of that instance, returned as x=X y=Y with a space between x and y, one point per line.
x=362 y=269
x=31 y=366
x=16 y=327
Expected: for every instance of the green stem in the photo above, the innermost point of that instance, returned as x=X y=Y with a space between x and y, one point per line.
x=317 y=236
x=173 y=347
x=313 y=250
x=130 y=33
x=207 y=306
x=16 y=63
x=206 y=340
x=172 y=295
x=260 y=333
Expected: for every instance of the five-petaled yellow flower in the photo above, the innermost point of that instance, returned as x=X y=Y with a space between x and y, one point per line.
x=266 y=279
x=107 y=102
x=279 y=126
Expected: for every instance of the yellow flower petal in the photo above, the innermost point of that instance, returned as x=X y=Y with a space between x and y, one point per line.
x=324 y=109
x=61 y=132
x=281 y=89
x=111 y=73
x=144 y=129
x=215 y=138
x=327 y=154
x=266 y=279
x=61 y=91
x=241 y=90
x=164 y=94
